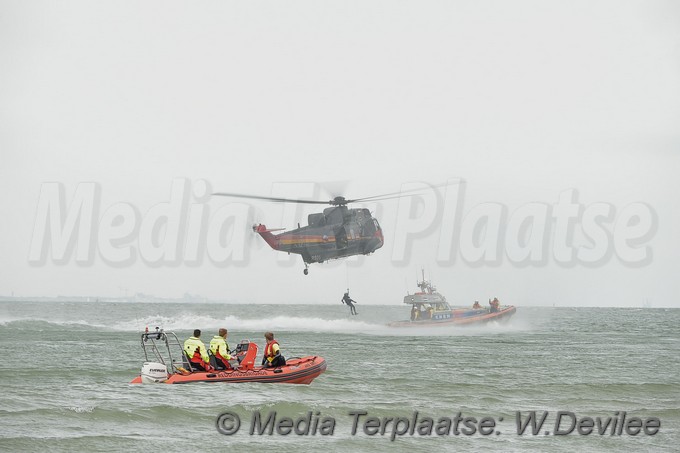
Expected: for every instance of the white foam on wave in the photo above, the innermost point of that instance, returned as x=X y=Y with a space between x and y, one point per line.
x=190 y=321
x=77 y=322
x=82 y=409
x=8 y=319
x=309 y=324
x=280 y=323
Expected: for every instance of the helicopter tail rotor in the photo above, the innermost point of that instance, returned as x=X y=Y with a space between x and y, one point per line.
x=263 y=229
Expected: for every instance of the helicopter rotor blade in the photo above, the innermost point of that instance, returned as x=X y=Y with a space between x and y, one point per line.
x=403 y=193
x=278 y=200
x=335 y=188
x=338 y=200
x=389 y=198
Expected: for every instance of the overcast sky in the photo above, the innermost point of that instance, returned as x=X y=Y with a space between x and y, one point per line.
x=522 y=100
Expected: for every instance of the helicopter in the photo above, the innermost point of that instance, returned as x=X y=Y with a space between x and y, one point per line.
x=337 y=232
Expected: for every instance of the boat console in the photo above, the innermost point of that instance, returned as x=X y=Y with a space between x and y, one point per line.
x=246 y=352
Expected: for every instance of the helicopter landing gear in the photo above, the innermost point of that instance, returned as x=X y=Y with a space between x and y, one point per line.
x=306 y=271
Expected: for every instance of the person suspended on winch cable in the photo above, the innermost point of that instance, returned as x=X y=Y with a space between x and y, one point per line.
x=349 y=301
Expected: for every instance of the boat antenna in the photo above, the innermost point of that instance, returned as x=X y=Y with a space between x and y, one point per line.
x=135 y=309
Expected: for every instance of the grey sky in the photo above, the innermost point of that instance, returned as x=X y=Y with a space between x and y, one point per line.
x=523 y=100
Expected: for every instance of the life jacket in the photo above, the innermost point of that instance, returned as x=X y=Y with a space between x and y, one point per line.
x=269 y=350
x=195 y=348
x=216 y=344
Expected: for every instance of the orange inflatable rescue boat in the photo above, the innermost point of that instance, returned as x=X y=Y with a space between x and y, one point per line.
x=161 y=366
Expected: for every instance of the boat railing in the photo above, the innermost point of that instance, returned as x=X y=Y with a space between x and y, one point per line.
x=158 y=347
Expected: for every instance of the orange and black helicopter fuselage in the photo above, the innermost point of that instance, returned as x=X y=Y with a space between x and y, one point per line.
x=337 y=232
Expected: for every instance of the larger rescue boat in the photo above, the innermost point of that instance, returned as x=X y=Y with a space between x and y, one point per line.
x=162 y=366
x=429 y=308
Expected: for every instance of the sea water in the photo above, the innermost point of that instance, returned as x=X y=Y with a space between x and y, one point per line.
x=66 y=369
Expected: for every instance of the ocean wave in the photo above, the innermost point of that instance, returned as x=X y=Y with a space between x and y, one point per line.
x=82 y=409
x=36 y=322
x=305 y=324
x=189 y=321
x=281 y=323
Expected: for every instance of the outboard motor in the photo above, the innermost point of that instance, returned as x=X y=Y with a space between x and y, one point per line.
x=154 y=373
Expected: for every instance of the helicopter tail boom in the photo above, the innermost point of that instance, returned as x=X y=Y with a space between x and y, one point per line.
x=266 y=234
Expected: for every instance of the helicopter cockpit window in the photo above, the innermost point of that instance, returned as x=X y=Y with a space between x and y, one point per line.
x=368 y=229
x=334 y=215
x=317 y=219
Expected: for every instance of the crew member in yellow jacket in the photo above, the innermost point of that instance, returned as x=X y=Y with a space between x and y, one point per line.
x=196 y=352
x=220 y=349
